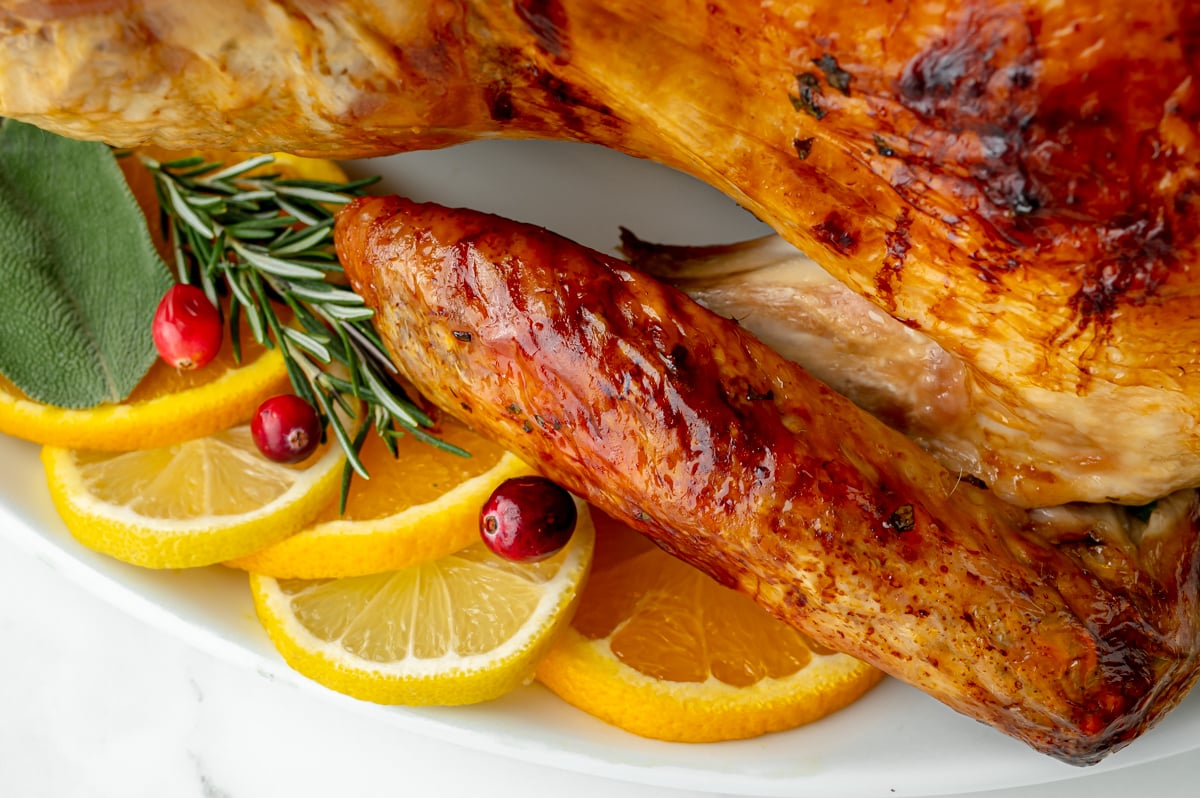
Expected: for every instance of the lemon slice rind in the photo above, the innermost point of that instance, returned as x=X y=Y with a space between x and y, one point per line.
x=444 y=680
x=155 y=542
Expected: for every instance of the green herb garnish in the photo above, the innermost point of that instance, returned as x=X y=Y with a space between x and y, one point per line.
x=837 y=77
x=808 y=97
x=266 y=240
x=80 y=273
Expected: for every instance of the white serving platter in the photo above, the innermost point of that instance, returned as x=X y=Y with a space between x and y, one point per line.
x=895 y=741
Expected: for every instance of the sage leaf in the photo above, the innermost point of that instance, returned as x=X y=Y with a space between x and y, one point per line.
x=79 y=275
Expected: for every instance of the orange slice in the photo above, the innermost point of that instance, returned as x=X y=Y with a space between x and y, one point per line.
x=417 y=507
x=167 y=407
x=661 y=650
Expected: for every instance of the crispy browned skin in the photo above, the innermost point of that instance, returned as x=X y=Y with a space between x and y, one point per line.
x=1020 y=179
x=738 y=461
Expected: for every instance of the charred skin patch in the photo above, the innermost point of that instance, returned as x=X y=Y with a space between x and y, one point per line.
x=898 y=242
x=835 y=76
x=498 y=97
x=803 y=147
x=1134 y=274
x=547 y=20
x=543 y=97
x=978 y=81
x=835 y=233
x=1134 y=227
x=562 y=93
x=1044 y=163
x=808 y=96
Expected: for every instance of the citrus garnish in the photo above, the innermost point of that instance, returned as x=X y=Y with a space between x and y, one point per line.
x=168 y=405
x=193 y=503
x=416 y=507
x=661 y=650
x=462 y=629
x=296 y=166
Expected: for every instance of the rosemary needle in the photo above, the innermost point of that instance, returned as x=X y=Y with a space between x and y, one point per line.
x=262 y=240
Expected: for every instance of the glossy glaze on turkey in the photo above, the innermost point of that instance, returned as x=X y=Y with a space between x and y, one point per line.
x=1018 y=180
x=1068 y=630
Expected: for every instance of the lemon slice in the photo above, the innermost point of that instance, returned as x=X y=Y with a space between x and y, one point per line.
x=193 y=503
x=466 y=628
x=418 y=506
x=659 y=649
x=297 y=166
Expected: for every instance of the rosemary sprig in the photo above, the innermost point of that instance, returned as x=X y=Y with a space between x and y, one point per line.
x=263 y=239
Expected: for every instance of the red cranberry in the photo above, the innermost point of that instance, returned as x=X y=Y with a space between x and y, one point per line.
x=187 y=328
x=286 y=429
x=527 y=519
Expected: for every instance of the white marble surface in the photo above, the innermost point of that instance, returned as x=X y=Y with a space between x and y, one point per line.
x=96 y=703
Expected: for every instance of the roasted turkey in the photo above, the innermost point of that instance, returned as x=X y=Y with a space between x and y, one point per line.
x=1018 y=180
x=888 y=368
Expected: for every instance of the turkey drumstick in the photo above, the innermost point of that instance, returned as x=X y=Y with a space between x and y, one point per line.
x=736 y=460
